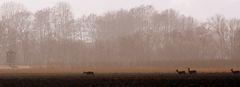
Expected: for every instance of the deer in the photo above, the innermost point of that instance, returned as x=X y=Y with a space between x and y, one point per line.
x=192 y=71
x=235 y=71
x=89 y=73
x=180 y=72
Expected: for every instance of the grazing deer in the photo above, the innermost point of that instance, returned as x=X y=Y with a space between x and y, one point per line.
x=180 y=72
x=192 y=71
x=89 y=73
x=235 y=72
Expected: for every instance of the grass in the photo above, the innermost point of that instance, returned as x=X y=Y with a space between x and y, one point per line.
x=108 y=77
x=120 y=80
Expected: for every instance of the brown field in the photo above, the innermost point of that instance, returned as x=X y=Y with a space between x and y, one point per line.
x=109 y=70
x=116 y=77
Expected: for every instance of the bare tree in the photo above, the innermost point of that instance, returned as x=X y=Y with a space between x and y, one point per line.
x=138 y=36
x=15 y=20
x=218 y=24
x=44 y=35
x=234 y=28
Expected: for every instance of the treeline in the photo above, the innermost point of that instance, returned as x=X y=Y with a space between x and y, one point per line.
x=141 y=35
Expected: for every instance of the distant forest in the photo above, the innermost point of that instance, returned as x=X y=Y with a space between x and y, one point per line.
x=53 y=37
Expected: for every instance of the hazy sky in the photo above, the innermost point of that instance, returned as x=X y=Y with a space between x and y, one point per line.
x=200 y=9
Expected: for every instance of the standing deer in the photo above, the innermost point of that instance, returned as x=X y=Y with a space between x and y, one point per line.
x=192 y=71
x=180 y=72
x=235 y=72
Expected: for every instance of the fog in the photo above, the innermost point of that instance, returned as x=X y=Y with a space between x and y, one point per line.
x=137 y=36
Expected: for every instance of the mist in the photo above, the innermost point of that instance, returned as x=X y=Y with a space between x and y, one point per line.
x=137 y=37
